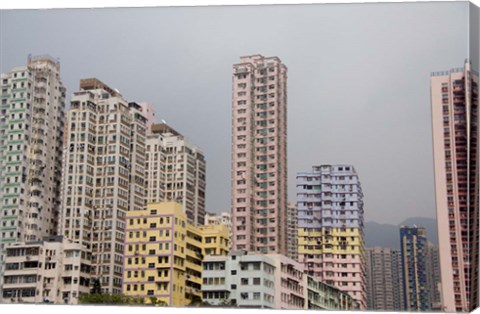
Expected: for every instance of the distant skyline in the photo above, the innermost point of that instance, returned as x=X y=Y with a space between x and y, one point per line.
x=358 y=80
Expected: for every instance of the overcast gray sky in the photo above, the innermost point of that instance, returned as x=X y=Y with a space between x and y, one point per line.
x=358 y=80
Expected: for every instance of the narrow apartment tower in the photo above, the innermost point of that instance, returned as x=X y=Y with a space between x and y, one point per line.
x=414 y=247
x=31 y=140
x=384 y=277
x=176 y=171
x=259 y=155
x=104 y=179
x=454 y=100
x=292 y=231
x=149 y=113
x=330 y=228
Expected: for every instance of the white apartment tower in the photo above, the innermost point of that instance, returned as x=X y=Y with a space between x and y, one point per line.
x=31 y=140
x=259 y=155
x=105 y=170
x=176 y=172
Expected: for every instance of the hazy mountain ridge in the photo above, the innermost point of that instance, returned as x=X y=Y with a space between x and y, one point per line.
x=388 y=235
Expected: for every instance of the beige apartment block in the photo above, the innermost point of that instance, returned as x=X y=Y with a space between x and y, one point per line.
x=164 y=254
x=105 y=175
x=259 y=155
x=31 y=140
x=176 y=171
x=222 y=219
x=52 y=270
x=454 y=100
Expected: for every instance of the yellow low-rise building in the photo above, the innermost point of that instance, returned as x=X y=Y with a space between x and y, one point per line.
x=164 y=254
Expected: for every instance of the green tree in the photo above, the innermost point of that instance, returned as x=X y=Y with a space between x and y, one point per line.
x=110 y=299
x=154 y=301
x=97 y=288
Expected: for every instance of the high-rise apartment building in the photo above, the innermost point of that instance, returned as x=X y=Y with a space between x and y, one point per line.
x=104 y=176
x=259 y=155
x=31 y=141
x=330 y=228
x=176 y=171
x=384 y=278
x=413 y=243
x=164 y=254
x=433 y=277
x=292 y=231
x=454 y=100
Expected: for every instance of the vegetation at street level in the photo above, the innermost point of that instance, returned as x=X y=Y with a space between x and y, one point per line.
x=97 y=297
x=110 y=299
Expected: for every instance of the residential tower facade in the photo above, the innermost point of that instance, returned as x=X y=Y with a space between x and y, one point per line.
x=330 y=228
x=31 y=141
x=384 y=278
x=454 y=101
x=104 y=179
x=176 y=171
x=164 y=254
x=259 y=155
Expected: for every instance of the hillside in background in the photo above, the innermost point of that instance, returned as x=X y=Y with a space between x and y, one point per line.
x=388 y=235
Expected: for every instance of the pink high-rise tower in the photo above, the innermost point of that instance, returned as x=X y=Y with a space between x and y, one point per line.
x=454 y=97
x=259 y=155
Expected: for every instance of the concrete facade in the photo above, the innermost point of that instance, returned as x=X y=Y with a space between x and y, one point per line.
x=330 y=228
x=164 y=253
x=292 y=231
x=149 y=113
x=254 y=281
x=105 y=175
x=176 y=171
x=384 y=273
x=224 y=219
x=413 y=244
x=53 y=270
x=32 y=120
x=454 y=101
x=259 y=155
x=324 y=297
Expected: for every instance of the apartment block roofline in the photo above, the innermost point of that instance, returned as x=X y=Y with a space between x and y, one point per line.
x=94 y=83
x=161 y=128
x=45 y=57
x=454 y=70
x=54 y=238
x=260 y=57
